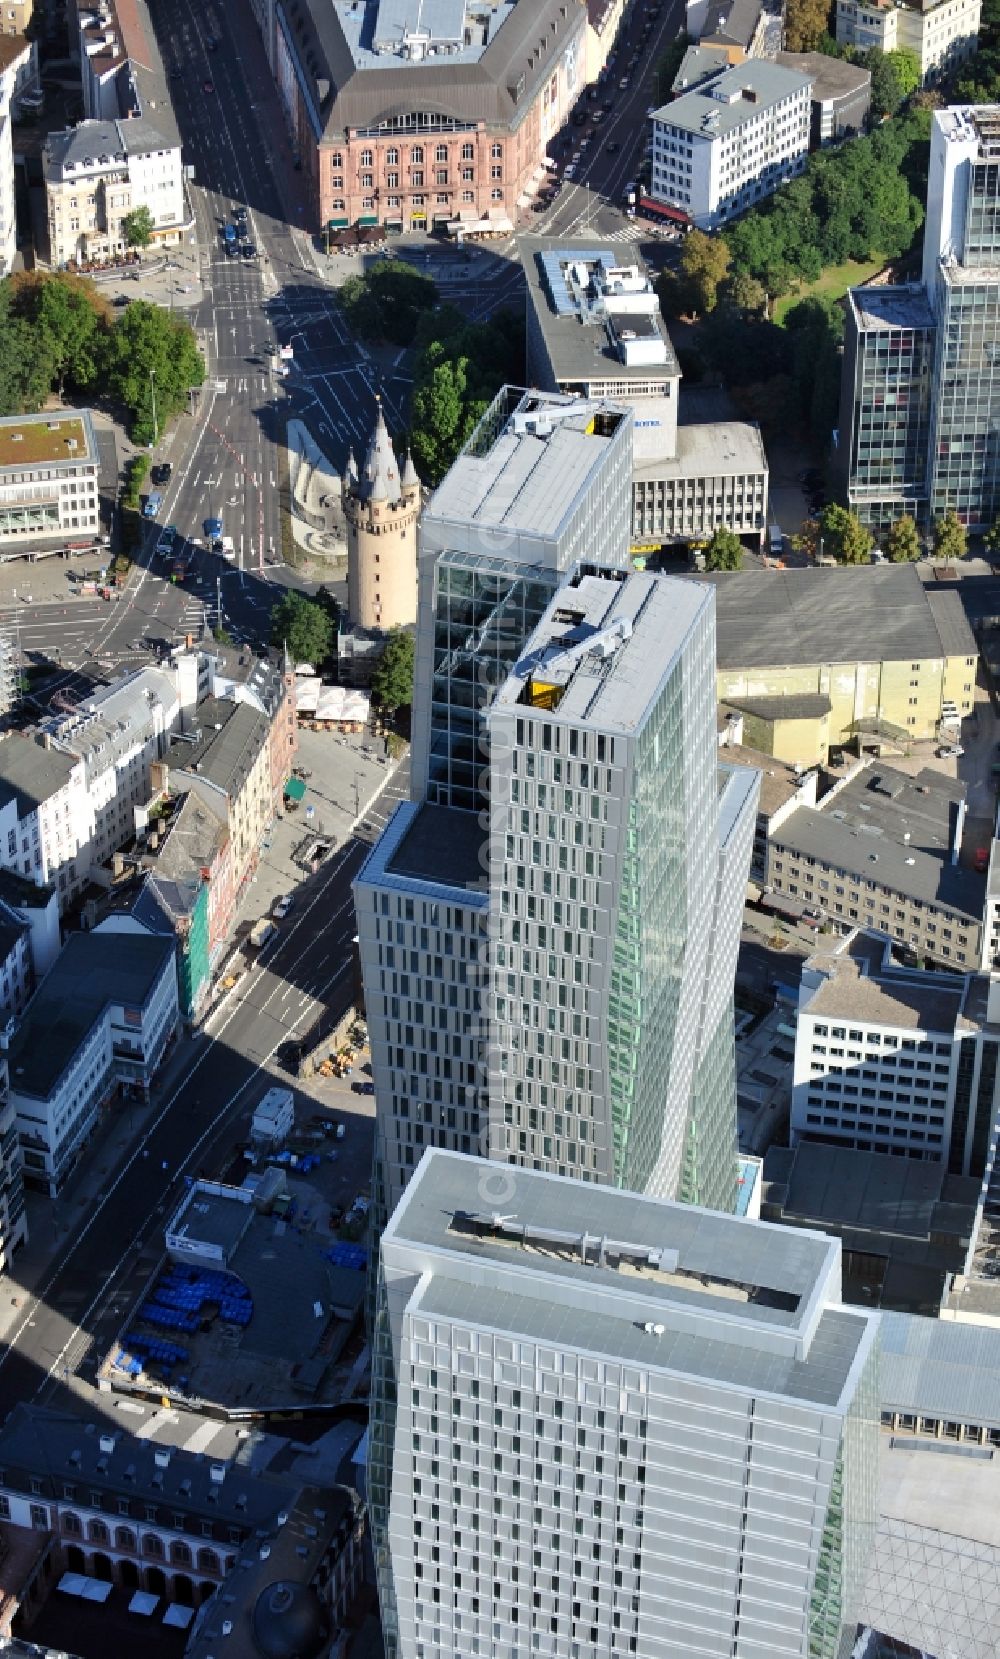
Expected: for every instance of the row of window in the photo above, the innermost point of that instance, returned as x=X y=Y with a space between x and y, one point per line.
x=416 y=155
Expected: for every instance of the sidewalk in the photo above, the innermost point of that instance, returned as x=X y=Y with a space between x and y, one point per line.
x=52 y=1222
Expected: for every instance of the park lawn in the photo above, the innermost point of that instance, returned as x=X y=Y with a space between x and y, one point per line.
x=833 y=284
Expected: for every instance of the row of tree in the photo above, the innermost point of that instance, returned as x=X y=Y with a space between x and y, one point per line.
x=840 y=534
x=58 y=333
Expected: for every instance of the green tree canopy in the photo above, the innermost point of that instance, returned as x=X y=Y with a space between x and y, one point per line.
x=458 y=371
x=153 y=355
x=992 y=537
x=138 y=227
x=805 y=24
x=907 y=66
x=388 y=301
x=70 y=322
x=950 y=537
x=304 y=627
x=904 y=542
x=392 y=680
x=724 y=551
x=704 y=263
x=844 y=535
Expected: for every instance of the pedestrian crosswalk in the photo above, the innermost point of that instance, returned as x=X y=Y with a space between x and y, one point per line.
x=192 y=621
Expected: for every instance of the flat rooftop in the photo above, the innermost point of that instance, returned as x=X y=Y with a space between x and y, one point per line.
x=739 y=95
x=46 y=440
x=884 y=310
x=912 y=1000
x=709 y=449
x=940 y=1368
x=442 y=843
x=216 y=1218
x=580 y=352
x=603 y=649
x=532 y=475
x=779 y=782
x=593 y=1268
x=900 y=1198
x=869 y=613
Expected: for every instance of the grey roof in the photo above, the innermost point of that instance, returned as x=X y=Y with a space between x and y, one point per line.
x=698 y=64
x=740 y=1302
x=940 y=1368
x=410 y=478
x=873 y=1192
x=957 y=638
x=37 y=1441
x=779 y=781
x=444 y=844
x=91 y=971
x=105 y=142
x=738 y=96
x=614 y=691
x=914 y=1000
x=232 y=736
x=30 y=773
x=867 y=613
x=346 y=85
x=21 y=894
x=802 y=705
x=832 y=78
x=215 y=1218
x=880 y=310
x=709 y=449
x=580 y=354
x=861 y=831
x=380 y=474
x=732 y=20
x=192 y=839
x=534 y=473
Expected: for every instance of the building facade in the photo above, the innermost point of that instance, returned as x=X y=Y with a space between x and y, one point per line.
x=102 y=1017
x=726 y=145
x=13 y=1216
x=227 y=761
x=49 y=468
x=421 y=115
x=381 y=509
x=943 y=36
x=897 y=1060
x=604 y=1424
x=96 y=174
x=18 y=72
x=920 y=391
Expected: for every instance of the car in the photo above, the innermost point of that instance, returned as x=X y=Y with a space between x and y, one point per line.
x=949 y=751
x=208 y=86
x=612 y=148
x=232 y=250
x=247 y=250
x=981 y=859
x=212 y=528
x=165 y=540
x=571 y=170
x=211 y=44
x=176 y=72
x=623 y=83
x=281 y=907
x=608 y=105
x=161 y=473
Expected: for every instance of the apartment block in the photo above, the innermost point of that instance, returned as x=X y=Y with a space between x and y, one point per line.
x=943 y=36
x=611 y=1059
x=101 y=1018
x=880 y=852
x=895 y=1059
x=96 y=173
x=49 y=468
x=729 y=143
x=226 y=759
x=816 y=659
x=606 y=1424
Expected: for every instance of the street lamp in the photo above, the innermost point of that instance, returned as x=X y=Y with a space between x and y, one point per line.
x=152 y=393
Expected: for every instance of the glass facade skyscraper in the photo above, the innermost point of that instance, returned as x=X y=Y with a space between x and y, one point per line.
x=921 y=389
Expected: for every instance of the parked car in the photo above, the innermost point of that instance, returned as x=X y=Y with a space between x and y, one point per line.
x=981 y=859
x=161 y=473
x=950 y=751
x=282 y=906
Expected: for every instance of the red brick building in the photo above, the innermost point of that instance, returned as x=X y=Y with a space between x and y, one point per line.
x=414 y=113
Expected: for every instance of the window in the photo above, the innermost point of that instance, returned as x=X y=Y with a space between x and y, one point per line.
x=125 y=1539
x=468 y=153
x=392 y=157
x=417 y=154
x=208 y=1561
x=496 y=151
x=71 y=1524
x=367 y=159
x=180 y=1553
x=441 y=152
x=152 y=1544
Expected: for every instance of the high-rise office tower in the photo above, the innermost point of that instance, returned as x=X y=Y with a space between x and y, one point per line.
x=618 y=857
x=607 y=1425
x=920 y=401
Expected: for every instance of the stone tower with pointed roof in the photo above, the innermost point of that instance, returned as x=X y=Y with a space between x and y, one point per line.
x=381 y=509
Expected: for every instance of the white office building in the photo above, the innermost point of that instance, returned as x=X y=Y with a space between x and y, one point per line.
x=609 y=1425
x=898 y=1060
x=49 y=469
x=726 y=145
x=97 y=173
x=101 y=1019
x=943 y=34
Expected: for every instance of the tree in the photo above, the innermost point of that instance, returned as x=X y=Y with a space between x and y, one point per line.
x=153 y=358
x=387 y=302
x=805 y=24
x=904 y=542
x=304 y=627
x=950 y=539
x=392 y=679
x=703 y=265
x=724 y=551
x=887 y=81
x=907 y=66
x=70 y=320
x=138 y=227
x=992 y=538
x=844 y=535
x=745 y=293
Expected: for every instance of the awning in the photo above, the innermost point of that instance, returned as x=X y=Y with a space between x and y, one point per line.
x=179 y=1616
x=294 y=789
x=143 y=1602
x=660 y=210
x=337 y=224
x=368 y=219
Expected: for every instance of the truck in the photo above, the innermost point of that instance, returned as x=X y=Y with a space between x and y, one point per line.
x=261 y=932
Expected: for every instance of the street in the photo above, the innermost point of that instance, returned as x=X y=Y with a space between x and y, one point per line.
x=68 y=1322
